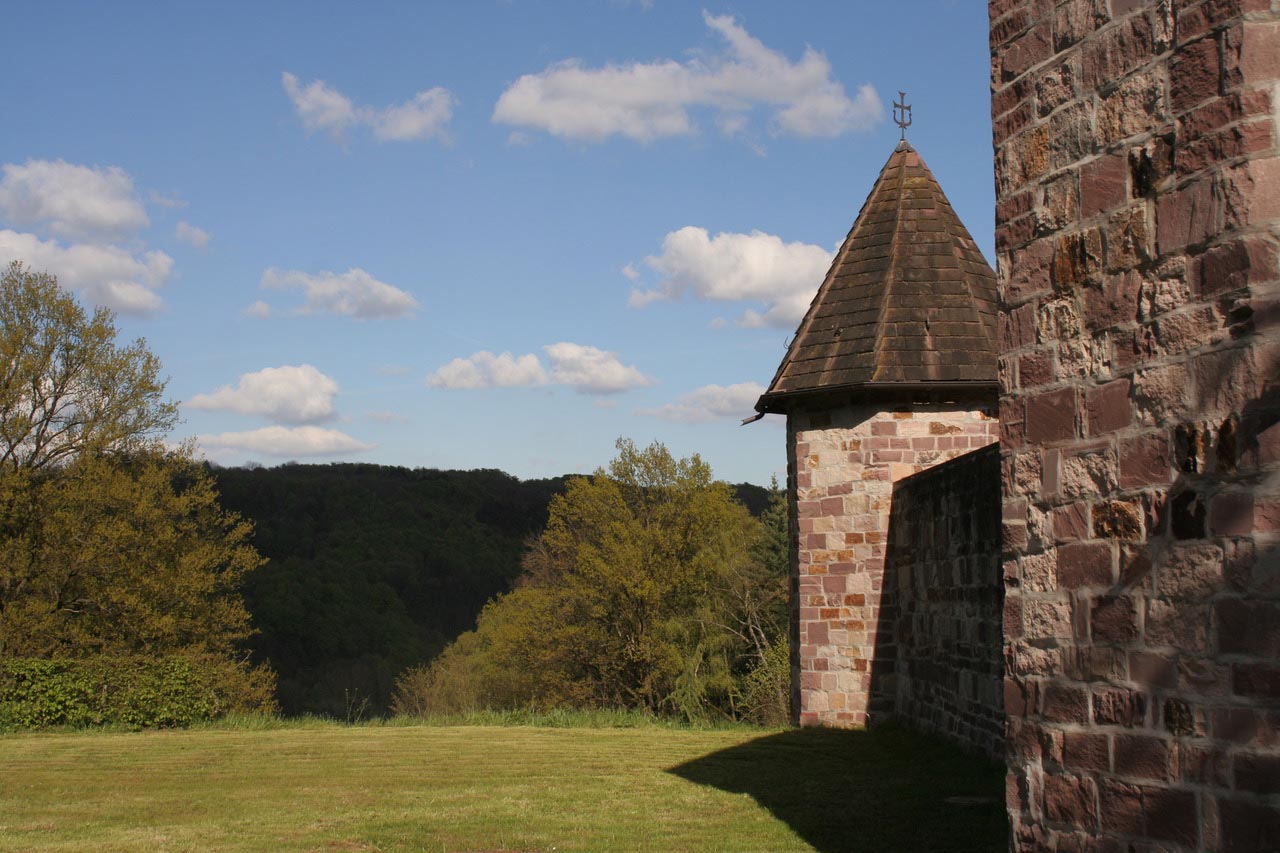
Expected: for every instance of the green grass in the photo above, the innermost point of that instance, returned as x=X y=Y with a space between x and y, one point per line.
x=249 y=785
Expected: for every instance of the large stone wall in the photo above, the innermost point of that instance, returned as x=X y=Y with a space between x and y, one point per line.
x=1137 y=225
x=944 y=596
x=843 y=463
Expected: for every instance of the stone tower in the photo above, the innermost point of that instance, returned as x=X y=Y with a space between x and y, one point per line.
x=1137 y=153
x=892 y=371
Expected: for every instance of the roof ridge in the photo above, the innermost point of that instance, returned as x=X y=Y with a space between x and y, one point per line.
x=893 y=255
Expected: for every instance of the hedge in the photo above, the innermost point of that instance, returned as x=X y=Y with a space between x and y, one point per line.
x=134 y=692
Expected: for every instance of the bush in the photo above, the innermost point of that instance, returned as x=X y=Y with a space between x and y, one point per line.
x=447 y=685
x=766 y=691
x=134 y=692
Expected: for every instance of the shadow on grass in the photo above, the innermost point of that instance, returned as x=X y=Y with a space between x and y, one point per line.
x=883 y=789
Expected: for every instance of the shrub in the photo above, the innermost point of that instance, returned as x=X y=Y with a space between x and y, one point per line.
x=131 y=691
x=766 y=690
x=447 y=685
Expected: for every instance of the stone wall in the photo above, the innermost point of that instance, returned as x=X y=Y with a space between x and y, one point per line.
x=943 y=585
x=843 y=463
x=1137 y=225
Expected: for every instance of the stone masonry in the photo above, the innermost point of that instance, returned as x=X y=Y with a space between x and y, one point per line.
x=1137 y=231
x=844 y=462
x=942 y=667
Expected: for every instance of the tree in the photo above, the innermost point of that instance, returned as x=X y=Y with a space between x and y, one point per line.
x=110 y=543
x=631 y=598
x=120 y=555
x=67 y=388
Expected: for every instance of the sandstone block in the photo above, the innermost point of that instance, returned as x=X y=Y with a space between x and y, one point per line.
x=1119 y=706
x=1084 y=564
x=1145 y=460
x=1051 y=416
x=1064 y=703
x=1071 y=799
x=1195 y=72
x=1103 y=184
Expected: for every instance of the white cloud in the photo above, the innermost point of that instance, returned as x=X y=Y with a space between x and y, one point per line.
x=258 y=309
x=321 y=107
x=289 y=394
x=71 y=201
x=486 y=370
x=286 y=442
x=197 y=237
x=586 y=369
x=731 y=267
x=423 y=116
x=353 y=293
x=105 y=275
x=592 y=371
x=647 y=101
x=711 y=402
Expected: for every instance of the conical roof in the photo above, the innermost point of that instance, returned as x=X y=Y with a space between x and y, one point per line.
x=909 y=303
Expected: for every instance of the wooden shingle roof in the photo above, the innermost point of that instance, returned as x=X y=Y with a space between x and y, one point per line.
x=908 y=303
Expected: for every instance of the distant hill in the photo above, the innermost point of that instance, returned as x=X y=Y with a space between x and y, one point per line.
x=376 y=568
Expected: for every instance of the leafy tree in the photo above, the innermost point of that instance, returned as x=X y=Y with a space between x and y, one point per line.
x=110 y=544
x=66 y=387
x=631 y=597
x=120 y=555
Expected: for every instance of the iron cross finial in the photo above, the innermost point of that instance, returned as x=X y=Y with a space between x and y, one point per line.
x=902 y=113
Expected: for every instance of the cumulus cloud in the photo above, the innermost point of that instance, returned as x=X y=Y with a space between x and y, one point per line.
x=353 y=293
x=592 y=371
x=290 y=442
x=486 y=370
x=290 y=394
x=197 y=237
x=645 y=101
x=105 y=275
x=586 y=369
x=71 y=201
x=711 y=402
x=258 y=309
x=738 y=267
x=322 y=108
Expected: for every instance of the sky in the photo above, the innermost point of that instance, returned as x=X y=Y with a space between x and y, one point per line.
x=487 y=234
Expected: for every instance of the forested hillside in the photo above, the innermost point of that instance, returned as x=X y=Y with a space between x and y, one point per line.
x=373 y=569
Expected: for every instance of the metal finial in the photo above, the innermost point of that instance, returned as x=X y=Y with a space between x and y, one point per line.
x=902 y=113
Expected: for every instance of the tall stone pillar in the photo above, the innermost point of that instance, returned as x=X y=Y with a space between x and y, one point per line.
x=1138 y=230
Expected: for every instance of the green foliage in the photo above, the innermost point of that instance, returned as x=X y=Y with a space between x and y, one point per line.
x=374 y=569
x=112 y=547
x=120 y=555
x=766 y=690
x=66 y=388
x=133 y=692
x=643 y=592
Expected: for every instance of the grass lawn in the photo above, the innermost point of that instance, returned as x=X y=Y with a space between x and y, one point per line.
x=460 y=788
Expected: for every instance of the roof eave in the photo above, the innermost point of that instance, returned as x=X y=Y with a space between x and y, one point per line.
x=979 y=391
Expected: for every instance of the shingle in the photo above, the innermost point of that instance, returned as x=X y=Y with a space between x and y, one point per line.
x=908 y=298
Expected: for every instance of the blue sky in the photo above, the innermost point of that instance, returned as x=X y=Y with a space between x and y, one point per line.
x=472 y=235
